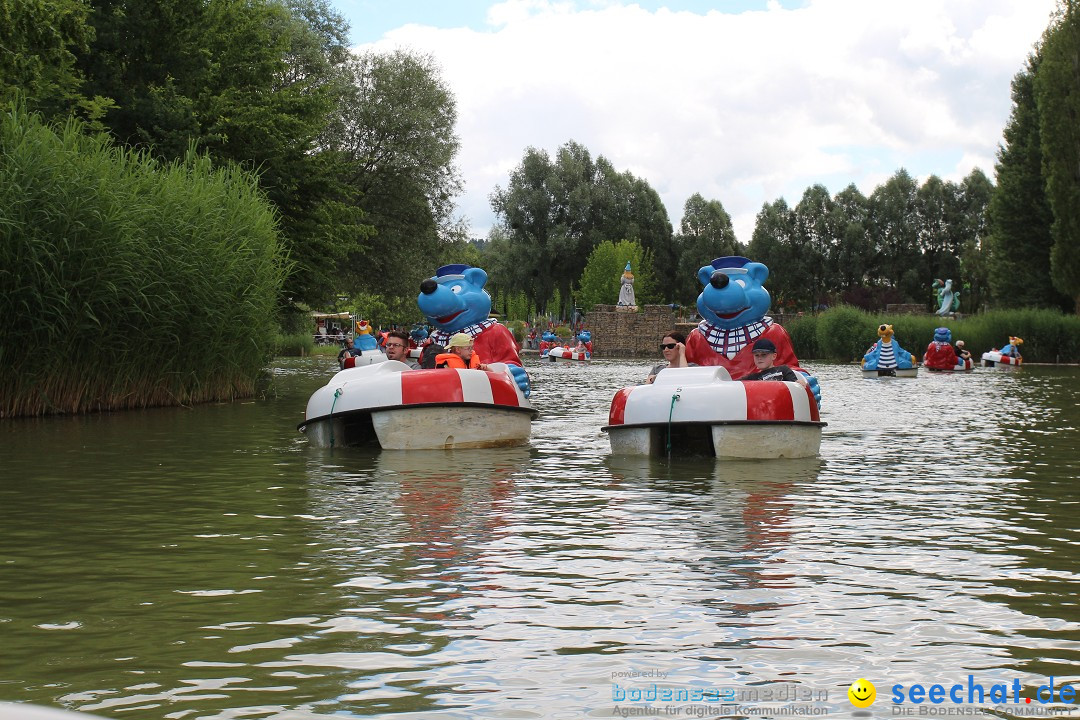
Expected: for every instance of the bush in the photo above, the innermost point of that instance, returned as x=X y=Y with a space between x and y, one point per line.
x=297 y=344
x=844 y=333
x=803 y=332
x=163 y=278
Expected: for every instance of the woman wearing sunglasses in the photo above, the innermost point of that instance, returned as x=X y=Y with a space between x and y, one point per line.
x=673 y=348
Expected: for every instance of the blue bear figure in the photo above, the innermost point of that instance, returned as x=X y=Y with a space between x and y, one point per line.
x=455 y=301
x=419 y=333
x=733 y=304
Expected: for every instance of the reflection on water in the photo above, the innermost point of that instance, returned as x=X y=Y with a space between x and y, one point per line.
x=209 y=563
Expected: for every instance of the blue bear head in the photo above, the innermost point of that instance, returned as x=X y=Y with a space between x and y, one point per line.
x=419 y=334
x=942 y=334
x=549 y=336
x=584 y=336
x=455 y=298
x=733 y=294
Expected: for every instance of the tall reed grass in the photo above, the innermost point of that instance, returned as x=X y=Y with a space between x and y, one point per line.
x=844 y=333
x=127 y=283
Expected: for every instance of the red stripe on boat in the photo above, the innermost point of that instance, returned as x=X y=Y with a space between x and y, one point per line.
x=617 y=414
x=430 y=386
x=503 y=389
x=769 y=401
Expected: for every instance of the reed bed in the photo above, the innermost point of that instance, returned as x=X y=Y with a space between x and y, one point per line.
x=127 y=283
x=844 y=333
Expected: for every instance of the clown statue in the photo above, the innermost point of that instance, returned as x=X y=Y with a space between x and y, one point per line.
x=733 y=304
x=454 y=301
x=626 y=291
x=365 y=337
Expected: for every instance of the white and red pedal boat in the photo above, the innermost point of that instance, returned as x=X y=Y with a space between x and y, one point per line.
x=701 y=410
x=994 y=358
x=402 y=409
x=564 y=354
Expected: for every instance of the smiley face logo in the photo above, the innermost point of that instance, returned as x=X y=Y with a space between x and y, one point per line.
x=862 y=693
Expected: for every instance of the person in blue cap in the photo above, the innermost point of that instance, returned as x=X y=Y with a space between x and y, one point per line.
x=764 y=351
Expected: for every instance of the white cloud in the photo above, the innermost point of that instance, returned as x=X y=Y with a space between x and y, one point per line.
x=743 y=108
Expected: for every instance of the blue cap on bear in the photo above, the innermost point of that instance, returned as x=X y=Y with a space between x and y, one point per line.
x=731 y=261
x=451 y=270
x=942 y=334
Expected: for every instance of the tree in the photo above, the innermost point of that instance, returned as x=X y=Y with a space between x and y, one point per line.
x=891 y=226
x=251 y=83
x=1057 y=92
x=602 y=277
x=705 y=233
x=396 y=130
x=770 y=245
x=555 y=212
x=38 y=42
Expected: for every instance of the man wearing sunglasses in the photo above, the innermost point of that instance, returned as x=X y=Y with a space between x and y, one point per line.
x=397 y=348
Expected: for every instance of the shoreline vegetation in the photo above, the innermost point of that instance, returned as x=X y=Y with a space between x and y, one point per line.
x=127 y=282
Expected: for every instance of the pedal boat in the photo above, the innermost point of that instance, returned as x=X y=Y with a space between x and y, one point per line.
x=962 y=365
x=701 y=410
x=994 y=358
x=564 y=354
x=891 y=372
x=401 y=409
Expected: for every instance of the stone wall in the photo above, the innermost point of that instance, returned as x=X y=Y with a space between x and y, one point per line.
x=629 y=334
x=619 y=334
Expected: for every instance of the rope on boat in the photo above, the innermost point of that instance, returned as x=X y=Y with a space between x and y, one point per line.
x=337 y=394
x=674 y=399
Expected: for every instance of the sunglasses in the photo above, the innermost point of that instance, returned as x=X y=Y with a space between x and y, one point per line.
x=668 y=346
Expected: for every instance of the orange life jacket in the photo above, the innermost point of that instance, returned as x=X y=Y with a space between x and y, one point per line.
x=452 y=360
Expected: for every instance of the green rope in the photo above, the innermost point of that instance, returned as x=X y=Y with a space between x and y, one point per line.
x=671 y=410
x=337 y=394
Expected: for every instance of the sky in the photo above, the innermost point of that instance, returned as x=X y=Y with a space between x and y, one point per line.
x=742 y=101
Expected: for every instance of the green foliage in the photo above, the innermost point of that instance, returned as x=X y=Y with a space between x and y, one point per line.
x=38 y=42
x=705 y=233
x=298 y=344
x=803 y=333
x=517 y=329
x=395 y=130
x=1057 y=90
x=601 y=280
x=163 y=278
x=555 y=213
x=844 y=333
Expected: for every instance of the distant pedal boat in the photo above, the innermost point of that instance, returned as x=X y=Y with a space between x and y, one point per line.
x=994 y=358
x=703 y=411
x=563 y=354
x=401 y=409
x=892 y=372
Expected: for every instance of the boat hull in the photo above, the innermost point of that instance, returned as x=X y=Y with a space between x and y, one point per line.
x=996 y=359
x=730 y=441
x=561 y=354
x=891 y=372
x=396 y=408
x=434 y=427
x=701 y=411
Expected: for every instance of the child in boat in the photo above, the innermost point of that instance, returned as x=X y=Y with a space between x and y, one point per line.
x=460 y=355
x=764 y=356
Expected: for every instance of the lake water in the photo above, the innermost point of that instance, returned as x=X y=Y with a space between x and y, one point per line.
x=209 y=563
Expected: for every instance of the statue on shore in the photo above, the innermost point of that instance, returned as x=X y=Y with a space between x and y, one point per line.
x=948 y=300
x=626 y=292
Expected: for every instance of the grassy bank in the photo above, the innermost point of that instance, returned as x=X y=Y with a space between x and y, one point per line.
x=845 y=333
